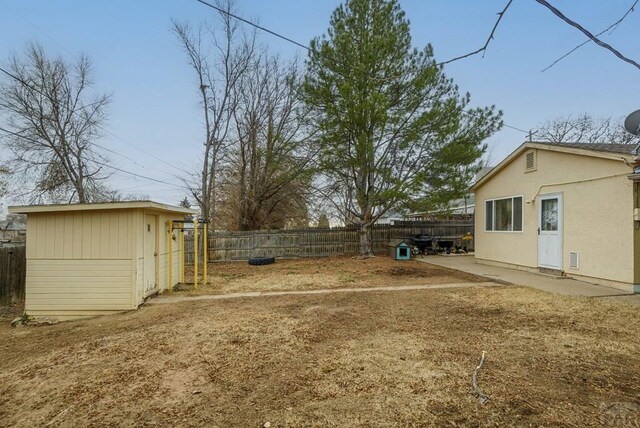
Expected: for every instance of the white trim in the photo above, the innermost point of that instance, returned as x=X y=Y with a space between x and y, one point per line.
x=493 y=214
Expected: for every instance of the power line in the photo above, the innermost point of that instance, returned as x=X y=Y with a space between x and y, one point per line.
x=100 y=163
x=515 y=128
x=98 y=126
x=253 y=24
x=148 y=153
x=615 y=24
x=587 y=33
x=136 y=175
x=18 y=79
x=303 y=46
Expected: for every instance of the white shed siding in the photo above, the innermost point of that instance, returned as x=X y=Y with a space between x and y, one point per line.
x=84 y=285
x=85 y=260
x=80 y=235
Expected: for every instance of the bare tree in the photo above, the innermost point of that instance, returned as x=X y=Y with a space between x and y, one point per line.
x=218 y=59
x=271 y=163
x=4 y=175
x=52 y=121
x=584 y=129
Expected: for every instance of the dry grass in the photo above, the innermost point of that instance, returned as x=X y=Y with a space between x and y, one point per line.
x=352 y=359
x=334 y=272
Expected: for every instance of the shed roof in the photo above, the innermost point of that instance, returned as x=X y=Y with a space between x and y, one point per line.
x=28 y=209
x=617 y=152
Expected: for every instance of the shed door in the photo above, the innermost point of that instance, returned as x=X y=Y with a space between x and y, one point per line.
x=550 y=231
x=150 y=253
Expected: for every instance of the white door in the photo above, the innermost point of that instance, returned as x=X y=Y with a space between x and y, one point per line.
x=550 y=231
x=150 y=253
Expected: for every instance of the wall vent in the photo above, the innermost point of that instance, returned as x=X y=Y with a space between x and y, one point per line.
x=573 y=259
x=530 y=161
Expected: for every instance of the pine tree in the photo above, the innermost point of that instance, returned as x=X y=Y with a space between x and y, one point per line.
x=393 y=127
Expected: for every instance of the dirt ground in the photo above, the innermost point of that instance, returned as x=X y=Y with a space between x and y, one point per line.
x=332 y=272
x=378 y=359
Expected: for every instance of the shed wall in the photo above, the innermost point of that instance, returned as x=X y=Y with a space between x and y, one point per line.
x=80 y=235
x=597 y=219
x=79 y=263
x=162 y=282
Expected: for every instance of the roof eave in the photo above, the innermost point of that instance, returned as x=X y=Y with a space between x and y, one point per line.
x=629 y=158
x=32 y=209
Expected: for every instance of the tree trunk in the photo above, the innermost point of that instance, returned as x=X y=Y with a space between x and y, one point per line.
x=366 y=240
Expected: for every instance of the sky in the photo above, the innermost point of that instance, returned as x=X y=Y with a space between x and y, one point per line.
x=154 y=120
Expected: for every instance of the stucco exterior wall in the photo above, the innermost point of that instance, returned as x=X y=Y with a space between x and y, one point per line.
x=597 y=215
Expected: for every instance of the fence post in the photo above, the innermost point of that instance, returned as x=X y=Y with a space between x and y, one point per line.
x=170 y=267
x=205 y=246
x=12 y=274
x=195 y=253
x=182 y=255
x=317 y=242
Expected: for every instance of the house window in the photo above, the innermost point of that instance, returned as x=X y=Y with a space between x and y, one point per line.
x=504 y=215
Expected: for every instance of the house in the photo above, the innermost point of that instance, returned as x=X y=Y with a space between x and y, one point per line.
x=390 y=217
x=93 y=259
x=570 y=209
x=464 y=207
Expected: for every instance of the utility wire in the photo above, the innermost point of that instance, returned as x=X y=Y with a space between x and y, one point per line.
x=100 y=163
x=137 y=175
x=587 y=33
x=104 y=130
x=303 y=46
x=615 y=24
x=513 y=127
x=148 y=153
x=18 y=79
x=253 y=24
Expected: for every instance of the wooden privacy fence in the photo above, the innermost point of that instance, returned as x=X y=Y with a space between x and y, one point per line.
x=13 y=269
x=319 y=242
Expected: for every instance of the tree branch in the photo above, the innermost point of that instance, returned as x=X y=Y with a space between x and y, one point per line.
x=486 y=44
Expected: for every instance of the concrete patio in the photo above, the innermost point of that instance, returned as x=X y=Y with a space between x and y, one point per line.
x=548 y=283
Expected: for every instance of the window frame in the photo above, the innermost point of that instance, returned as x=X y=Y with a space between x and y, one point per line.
x=493 y=214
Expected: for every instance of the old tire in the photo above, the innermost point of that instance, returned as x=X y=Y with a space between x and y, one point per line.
x=261 y=261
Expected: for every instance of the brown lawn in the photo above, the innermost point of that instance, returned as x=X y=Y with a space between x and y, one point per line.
x=378 y=359
x=334 y=272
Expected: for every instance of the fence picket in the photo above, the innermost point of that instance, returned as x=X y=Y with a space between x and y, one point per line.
x=320 y=242
x=13 y=269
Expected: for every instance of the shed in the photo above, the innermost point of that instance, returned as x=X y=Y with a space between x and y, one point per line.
x=399 y=249
x=570 y=209
x=95 y=259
